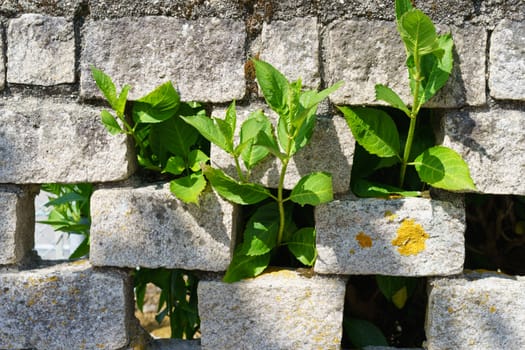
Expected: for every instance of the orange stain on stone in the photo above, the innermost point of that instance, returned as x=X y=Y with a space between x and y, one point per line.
x=410 y=238
x=364 y=240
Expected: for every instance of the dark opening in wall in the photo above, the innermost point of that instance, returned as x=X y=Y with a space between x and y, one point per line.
x=495 y=235
x=371 y=319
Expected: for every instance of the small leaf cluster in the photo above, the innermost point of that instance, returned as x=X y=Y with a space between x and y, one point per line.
x=71 y=212
x=164 y=142
x=271 y=225
x=429 y=62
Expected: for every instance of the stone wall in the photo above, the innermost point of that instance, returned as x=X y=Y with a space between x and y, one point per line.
x=50 y=132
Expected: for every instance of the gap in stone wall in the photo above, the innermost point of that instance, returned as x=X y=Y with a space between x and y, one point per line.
x=51 y=244
x=495 y=234
x=364 y=302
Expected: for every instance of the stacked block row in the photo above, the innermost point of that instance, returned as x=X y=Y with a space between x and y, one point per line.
x=49 y=136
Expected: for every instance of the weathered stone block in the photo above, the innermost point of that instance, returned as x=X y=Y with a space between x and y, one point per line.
x=17 y=223
x=476 y=311
x=399 y=237
x=366 y=53
x=204 y=58
x=45 y=141
x=331 y=149
x=68 y=306
x=2 y=61
x=507 y=61
x=493 y=145
x=293 y=48
x=149 y=227
x=277 y=310
x=40 y=50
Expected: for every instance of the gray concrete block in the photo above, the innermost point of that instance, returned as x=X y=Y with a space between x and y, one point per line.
x=203 y=58
x=493 y=145
x=63 y=307
x=149 y=227
x=44 y=141
x=293 y=48
x=398 y=237
x=331 y=149
x=476 y=311
x=507 y=61
x=277 y=310
x=40 y=50
x=366 y=53
x=17 y=223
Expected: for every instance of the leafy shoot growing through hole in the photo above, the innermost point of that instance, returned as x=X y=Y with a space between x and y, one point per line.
x=429 y=62
x=271 y=225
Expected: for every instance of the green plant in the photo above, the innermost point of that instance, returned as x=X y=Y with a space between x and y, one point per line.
x=271 y=225
x=429 y=62
x=164 y=143
x=178 y=298
x=70 y=212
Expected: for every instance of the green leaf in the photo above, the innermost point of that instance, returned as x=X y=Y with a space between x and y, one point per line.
x=384 y=93
x=196 y=158
x=260 y=234
x=402 y=6
x=240 y=193
x=157 y=106
x=303 y=134
x=366 y=189
x=188 y=188
x=105 y=84
x=110 y=123
x=313 y=189
x=244 y=266
x=69 y=197
x=444 y=168
x=417 y=32
x=312 y=100
x=274 y=86
x=227 y=125
x=374 y=130
x=268 y=141
x=82 y=249
x=252 y=153
x=436 y=70
x=173 y=136
x=211 y=131
x=363 y=333
x=392 y=288
x=302 y=245
x=175 y=165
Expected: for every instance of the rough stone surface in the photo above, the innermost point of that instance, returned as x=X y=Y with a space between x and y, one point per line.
x=476 y=311
x=65 y=8
x=149 y=227
x=493 y=145
x=331 y=149
x=43 y=141
x=356 y=236
x=40 y=50
x=507 y=61
x=277 y=310
x=174 y=344
x=366 y=53
x=203 y=58
x=17 y=223
x=63 y=307
x=293 y=48
x=2 y=61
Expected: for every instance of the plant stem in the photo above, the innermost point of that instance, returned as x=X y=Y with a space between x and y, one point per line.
x=413 y=118
x=280 y=201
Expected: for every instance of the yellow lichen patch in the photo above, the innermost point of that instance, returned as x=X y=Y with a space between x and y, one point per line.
x=390 y=216
x=410 y=238
x=492 y=309
x=351 y=251
x=364 y=240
